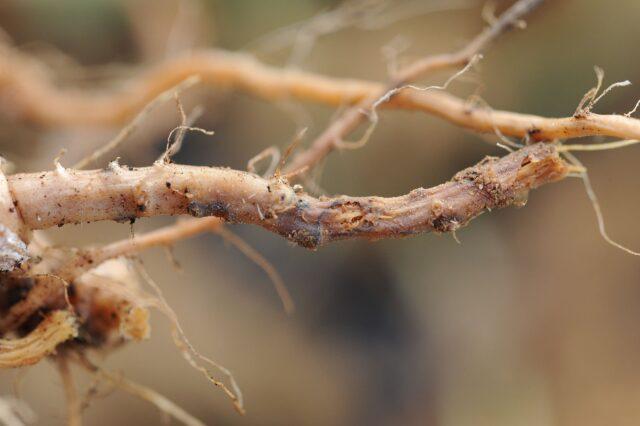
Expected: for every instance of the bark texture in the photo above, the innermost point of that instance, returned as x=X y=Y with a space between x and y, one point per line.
x=118 y=193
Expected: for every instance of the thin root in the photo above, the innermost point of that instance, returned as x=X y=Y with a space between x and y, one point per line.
x=253 y=255
x=187 y=349
x=133 y=124
x=591 y=98
x=372 y=113
x=74 y=415
x=271 y=152
x=598 y=146
x=584 y=175
x=161 y=402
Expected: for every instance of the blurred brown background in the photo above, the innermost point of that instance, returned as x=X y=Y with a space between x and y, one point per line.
x=532 y=320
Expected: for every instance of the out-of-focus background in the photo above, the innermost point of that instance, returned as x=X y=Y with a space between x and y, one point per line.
x=532 y=320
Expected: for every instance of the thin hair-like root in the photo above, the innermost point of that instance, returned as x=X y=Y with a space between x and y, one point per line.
x=507 y=144
x=367 y=15
x=635 y=108
x=255 y=256
x=587 y=98
x=598 y=146
x=609 y=89
x=185 y=346
x=162 y=403
x=185 y=120
x=584 y=175
x=591 y=98
x=287 y=153
x=174 y=143
x=126 y=131
x=372 y=113
x=272 y=152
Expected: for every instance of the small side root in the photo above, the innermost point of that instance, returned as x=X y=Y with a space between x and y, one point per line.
x=74 y=412
x=598 y=146
x=135 y=123
x=633 y=111
x=591 y=98
x=174 y=143
x=270 y=152
x=253 y=255
x=161 y=402
x=188 y=350
x=596 y=205
x=299 y=136
x=372 y=112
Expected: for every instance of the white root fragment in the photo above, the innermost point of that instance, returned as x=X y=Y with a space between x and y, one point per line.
x=13 y=233
x=13 y=251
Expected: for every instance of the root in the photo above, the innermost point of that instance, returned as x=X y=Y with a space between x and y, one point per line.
x=38 y=100
x=174 y=144
x=161 y=402
x=369 y=15
x=135 y=123
x=598 y=146
x=277 y=174
x=57 y=327
x=633 y=111
x=106 y=311
x=596 y=205
x=13 y=251
x=166 y=236
x=47 y=290
x=270 y=152
x=591 y=98
x=188 y=350
x=331 y=138
x=74 y=414
x=372 y=113
x=505 y=143
x=169 y=235
x=46 y=200
x=253 y=255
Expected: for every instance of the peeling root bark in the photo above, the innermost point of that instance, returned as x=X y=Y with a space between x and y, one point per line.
x=57 y=327
x=118 y=193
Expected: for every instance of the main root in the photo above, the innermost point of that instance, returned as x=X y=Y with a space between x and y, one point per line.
x=53 y=199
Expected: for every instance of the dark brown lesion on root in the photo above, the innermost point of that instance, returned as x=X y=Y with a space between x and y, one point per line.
x=491 y=184
x=215 y=208
x=273 y=204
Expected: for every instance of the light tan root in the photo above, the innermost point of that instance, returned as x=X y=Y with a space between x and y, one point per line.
x=135 y=123
x=258 y=259
x=584 y=175
x=161 y=402
x=74 y=415
x=270 y=152
x=189 y=352
x=57 y=327
x=597 y=146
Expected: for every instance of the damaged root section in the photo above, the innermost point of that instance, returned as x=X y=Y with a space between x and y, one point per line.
x=56 y=328
x=54 y=199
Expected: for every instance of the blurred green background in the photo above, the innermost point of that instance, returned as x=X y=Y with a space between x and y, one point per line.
x=531 y=320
